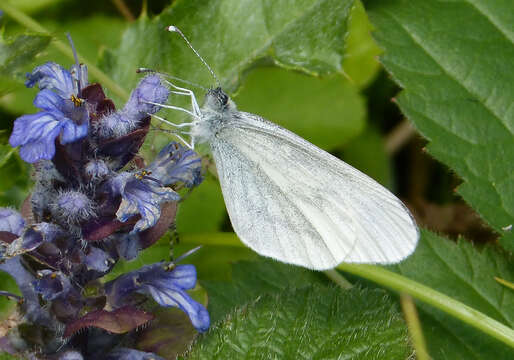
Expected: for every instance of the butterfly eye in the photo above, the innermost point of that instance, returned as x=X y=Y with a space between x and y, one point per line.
x=223 y=99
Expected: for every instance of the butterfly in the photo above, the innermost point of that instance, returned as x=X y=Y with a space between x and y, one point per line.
x=290 y=200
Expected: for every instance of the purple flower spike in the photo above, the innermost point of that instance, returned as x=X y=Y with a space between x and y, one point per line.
x=11 y=221
x=166 y=287
x=142 y=195
x=131 y=354
x=176 y=163
x=149 y=89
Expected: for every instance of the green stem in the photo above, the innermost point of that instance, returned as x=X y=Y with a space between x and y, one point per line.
x=414 y=326
x=339 y=279
x=33 y=25
x=432 y=297
x=393 y=281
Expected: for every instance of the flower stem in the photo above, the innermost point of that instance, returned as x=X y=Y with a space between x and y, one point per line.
x=393 y=281
x=33 y=25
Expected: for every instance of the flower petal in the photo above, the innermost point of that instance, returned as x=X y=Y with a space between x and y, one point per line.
x=34 y=127
x=54 y=77
x=176 y=163
x=141 y=196
x=72 y=132
x=98 y=260
x=169 y=297
x=36 y=135
x=48 y=100
x=183 y=276
x=33 y=237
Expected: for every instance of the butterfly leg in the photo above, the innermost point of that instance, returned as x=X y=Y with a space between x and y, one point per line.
x=188 y=92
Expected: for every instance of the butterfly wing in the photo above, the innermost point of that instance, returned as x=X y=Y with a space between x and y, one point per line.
x=291 y=201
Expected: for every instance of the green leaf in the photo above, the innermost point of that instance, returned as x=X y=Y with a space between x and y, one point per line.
x=233 y=35
x=16 y=52
x=328 y=112
x=19 y=51
x=7 y=283
x=6 y=356
x=310 y=323
x=360 y=62
x=454 y=61
x=203 y=210
x=214 y=263
x=467 y=275
x=253 y=278
x=14 y=187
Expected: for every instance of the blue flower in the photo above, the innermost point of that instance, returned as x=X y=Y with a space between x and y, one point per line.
x=63 y=114
x=176 y=163
x=11 y=221
x=141 y=195
x=149 y=89
x=167 y=287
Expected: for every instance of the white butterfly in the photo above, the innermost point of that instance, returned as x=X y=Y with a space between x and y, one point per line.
x=289 y=200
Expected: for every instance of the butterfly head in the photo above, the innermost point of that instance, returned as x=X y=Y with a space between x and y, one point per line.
x=217 y=100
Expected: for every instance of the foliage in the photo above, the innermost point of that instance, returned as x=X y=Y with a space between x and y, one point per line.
x=458 y=91
x=313 y=322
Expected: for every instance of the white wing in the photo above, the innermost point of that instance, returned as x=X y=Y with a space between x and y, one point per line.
x=291 y=201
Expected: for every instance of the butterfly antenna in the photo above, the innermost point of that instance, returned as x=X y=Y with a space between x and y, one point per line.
x=172 y=28
x=77 y=63
x=146 y=70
